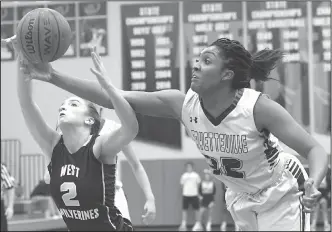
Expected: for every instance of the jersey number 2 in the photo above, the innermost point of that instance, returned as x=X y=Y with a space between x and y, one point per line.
x=71 y=193
x=226 y=166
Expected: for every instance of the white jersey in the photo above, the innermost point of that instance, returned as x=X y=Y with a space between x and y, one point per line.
x=245 y=159
x=190 y=182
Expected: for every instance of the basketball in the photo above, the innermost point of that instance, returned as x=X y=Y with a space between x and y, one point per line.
x=43 y=35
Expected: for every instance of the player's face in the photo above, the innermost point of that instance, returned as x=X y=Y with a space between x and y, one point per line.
x=207 y=176
x=207 y=71
x=74 y=110
x=189 y=168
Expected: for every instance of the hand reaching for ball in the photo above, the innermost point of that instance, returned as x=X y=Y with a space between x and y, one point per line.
x=40 y=71
x=99 y=70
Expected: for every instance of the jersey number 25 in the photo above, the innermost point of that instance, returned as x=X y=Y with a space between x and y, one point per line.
x=70 y=193
x=227 y=166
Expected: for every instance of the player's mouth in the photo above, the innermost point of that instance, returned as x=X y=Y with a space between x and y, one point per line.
x=194 y=77
x=62 y=114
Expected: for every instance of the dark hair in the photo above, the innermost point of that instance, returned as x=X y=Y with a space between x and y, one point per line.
x=93 y=112
x=244 y=65
x=189 y=163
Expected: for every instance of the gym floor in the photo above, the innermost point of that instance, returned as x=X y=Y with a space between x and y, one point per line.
x=37 y=223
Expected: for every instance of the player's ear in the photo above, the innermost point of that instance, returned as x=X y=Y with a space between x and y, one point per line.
x=89 y=121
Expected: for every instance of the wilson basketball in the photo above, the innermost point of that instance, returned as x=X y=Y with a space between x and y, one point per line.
x=43 y=35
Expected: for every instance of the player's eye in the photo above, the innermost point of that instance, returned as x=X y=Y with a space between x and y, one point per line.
x=207 y=61
x=74 y=104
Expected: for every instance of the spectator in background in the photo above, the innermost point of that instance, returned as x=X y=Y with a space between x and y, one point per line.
x=323 y=202
x=190 y=181
x=7 y=186
x=207 y=191
x=41 y=193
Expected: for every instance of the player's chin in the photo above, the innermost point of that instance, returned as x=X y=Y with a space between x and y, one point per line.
x=195 y=87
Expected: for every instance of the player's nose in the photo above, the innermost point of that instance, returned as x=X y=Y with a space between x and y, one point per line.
x=196 y=66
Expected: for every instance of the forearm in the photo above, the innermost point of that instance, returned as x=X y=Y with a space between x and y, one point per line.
x=11 y=196
x=86 y=89
x=144 y=183
x=24 y=87
x=318 y=164
x=123 y=109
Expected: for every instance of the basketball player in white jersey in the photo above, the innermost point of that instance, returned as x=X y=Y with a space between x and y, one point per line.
x=233 y=127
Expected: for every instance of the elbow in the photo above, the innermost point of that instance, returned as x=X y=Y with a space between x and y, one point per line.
x=135 y=128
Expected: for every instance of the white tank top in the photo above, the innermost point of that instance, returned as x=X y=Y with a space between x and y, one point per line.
x=238 y=155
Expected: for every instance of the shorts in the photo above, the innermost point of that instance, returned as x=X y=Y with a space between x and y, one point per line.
x=206 y=200
x=276 y=208
x=193 y=201
x=325 y=194
x=120 y=201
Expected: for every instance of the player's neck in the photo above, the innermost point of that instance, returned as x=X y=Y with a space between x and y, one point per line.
x=218 y=99
x=75 y=137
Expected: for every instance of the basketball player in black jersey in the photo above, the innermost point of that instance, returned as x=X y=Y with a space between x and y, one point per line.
x=83 y=163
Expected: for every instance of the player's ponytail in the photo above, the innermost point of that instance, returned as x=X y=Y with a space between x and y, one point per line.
x=263 y=62
x=95 y=115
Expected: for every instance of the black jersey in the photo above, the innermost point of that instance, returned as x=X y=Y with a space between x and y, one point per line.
x=83 y=189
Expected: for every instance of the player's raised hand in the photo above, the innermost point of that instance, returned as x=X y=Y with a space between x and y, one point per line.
x=310 y=197
x=41 y=71
x=99 y=70
x=11 y=42
x=150 y=212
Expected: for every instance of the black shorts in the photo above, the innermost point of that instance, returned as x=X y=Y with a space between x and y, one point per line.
x=325 y=194
x=193 y=201
x=206 y=200
x=4 y=223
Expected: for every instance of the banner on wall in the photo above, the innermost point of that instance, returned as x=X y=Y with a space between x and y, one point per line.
x=7 y=30
x=205 y=22
x=69 y=12
x=321 y=22
x=283 y=24
x=93 y=28
x=150 y=45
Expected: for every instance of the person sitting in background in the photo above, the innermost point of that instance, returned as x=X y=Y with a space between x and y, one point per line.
x=323 y=202
x=41 y=193
x=7 y=187
x=207 y=191
x=190 y=181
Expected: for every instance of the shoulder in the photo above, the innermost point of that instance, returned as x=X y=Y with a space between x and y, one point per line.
x=174 y=98
x=108 y=126
x=265 y=110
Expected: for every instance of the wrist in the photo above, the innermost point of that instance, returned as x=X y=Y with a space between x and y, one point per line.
x=150 y=198
x=53 y=75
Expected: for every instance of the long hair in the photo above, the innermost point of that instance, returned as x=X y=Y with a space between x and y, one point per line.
x=244 y=65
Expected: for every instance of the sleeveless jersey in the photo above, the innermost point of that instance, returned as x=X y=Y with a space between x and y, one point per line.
x=207 y=188
x=83 y=188
x=245 y=159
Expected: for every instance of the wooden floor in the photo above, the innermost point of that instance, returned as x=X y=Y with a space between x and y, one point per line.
x=38 y=223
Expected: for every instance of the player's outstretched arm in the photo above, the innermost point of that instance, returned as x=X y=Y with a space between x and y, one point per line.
x=143 y=181
x=42 y=133
x=113 y=142
x=273 y=117
x=164 y=103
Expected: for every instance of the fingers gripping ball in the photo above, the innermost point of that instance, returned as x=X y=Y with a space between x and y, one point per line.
x=43 y=35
